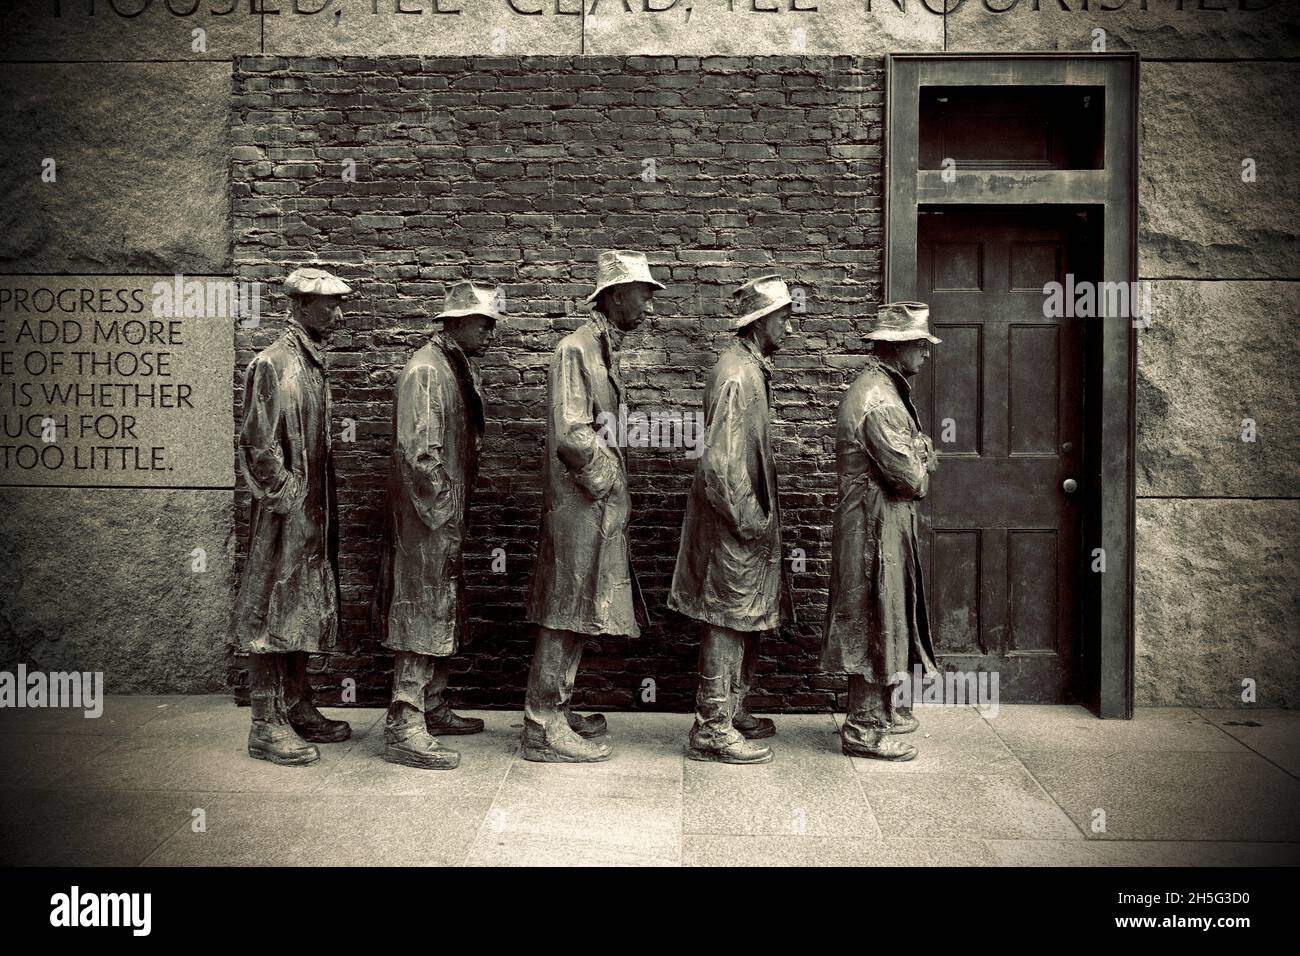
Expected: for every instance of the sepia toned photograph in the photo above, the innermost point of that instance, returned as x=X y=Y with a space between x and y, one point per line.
x=691 y=434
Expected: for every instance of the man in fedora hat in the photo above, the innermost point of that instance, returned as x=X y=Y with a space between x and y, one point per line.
x=419 y=605
x=288 y=599
x=583 y=581
x=729 y=573
x=876 y=621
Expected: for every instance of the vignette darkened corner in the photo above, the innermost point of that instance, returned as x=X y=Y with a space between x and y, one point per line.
x=662 y=434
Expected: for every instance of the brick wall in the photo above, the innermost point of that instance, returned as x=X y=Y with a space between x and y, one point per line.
x=517 y=172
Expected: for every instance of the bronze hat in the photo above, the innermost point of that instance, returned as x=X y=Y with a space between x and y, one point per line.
x=470 y=298
x=759 y=297
x=621 y=267
x=311 y=281
x=901 y=322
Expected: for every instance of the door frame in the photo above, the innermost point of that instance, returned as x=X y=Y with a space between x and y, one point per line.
x=1106 y=633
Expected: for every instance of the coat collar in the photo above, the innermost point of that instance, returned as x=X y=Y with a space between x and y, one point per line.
x=305 y=342
x=459 y=361
x=748 y=348
x=607 y=332
x=899 y=381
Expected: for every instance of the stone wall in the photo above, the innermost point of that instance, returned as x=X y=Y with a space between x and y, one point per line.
x=136 y=110
x=515 y=172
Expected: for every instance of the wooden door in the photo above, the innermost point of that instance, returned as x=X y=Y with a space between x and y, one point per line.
x=1003 y=398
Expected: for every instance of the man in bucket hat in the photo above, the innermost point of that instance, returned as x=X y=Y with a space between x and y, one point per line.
x=288 y=600
x=729 y=573
x=420 y=602
x=583 y=581
x=876 y=621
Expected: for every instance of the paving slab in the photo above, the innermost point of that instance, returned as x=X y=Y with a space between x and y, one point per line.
x=714 y=849
x=949 y=740
x=966 y=806
x=1173 y=796
x=42 y=760
x=1142 y=853
x=208 y=752
x=484 y=760
x=122 y=715
x=556 y=813
x=809 y=788
x=1273 y=734
x=87 y=828
x=325 y=830
x=1039 y=727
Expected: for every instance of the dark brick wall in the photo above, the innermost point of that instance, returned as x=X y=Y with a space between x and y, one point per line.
x=517 y=172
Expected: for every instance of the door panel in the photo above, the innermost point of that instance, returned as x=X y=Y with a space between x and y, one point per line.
x=1003 y=397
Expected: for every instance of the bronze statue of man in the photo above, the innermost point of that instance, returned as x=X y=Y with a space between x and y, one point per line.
x=583 y=582
x=729 y=573
x=420 y=602
x=288 y=599
x=876 y=622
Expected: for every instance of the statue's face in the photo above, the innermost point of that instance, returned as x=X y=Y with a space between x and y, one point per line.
x=473 y=333
x=772 y=330
x=320 y=314
x=912 y=355
x=628 y=306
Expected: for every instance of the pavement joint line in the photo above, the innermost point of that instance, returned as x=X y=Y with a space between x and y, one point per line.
x=1197 y=711
x=487 y=813
x=984 y=717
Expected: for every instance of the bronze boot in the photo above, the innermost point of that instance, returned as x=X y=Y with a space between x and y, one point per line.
x=866 y=725
x=548 y=736
x=712 y=735
x=586 y=725
x=751 y=727
x=407 y=742
x=309 y=722
x=441 y=721
x=271 y=737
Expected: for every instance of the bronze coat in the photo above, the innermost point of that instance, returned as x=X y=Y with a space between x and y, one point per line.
x=438 y=433
x=583 y=579
x=876 y=621
x=729 y=570
x=288 y=597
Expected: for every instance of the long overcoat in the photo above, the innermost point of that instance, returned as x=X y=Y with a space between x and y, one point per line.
x=583 y=579
x=288 y=596
x=438 y=434
x=729 y=564
x=877 y=624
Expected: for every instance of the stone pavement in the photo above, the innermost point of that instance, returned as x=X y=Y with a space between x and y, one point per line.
x=1178 y=787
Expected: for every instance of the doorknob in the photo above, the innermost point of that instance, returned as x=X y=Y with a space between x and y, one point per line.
x=1069 y=486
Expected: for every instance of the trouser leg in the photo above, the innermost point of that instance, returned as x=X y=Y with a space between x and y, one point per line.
x=406 y=738
x=412 y=673
x=436 y=688
x=721 y=660
x=548 y=735
x=867 y=720
x=550 y=678
x=271 y=736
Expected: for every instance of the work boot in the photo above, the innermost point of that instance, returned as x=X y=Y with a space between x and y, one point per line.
x=751 y=727
x=271 y=736
x=902 y=722
x=549 y=735
x=407 y=742
x=441 y=721
x=561 y=745
x=587 y=725
x=701 y=746
x=868 y=722
x=880 y=748
x=309 y=722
